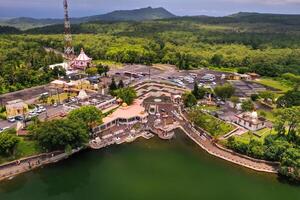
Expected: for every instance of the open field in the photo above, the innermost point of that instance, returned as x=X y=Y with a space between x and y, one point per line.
x=279 y=85
x=258 y=135
x=25 y=148
x=269 y=115
x=111 y=64
x=209 y=123
x=61 y=97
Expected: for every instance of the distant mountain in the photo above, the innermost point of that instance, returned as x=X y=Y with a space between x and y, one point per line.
x=132 y=15
x=252 y=17
x=27 y=22
x=9 y=30
x=142 y=14
x=247 y=17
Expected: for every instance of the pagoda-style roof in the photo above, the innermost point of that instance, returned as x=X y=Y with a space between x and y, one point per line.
x=83 y=57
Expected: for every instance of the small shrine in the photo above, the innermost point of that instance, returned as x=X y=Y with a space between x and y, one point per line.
x=82 y=61
x=251 y=121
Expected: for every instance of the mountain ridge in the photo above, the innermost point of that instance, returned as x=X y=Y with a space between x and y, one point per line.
x=140 y=14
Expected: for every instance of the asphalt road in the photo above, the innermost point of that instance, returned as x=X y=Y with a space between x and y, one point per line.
x=51 y=111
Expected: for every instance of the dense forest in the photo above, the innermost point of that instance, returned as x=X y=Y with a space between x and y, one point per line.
x=24 y=64
x=270 y=47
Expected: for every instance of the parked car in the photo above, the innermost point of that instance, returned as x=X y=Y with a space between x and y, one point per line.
x=43 y=109
x=33 y=114
x=3 y=129
x=39 y=111
x=19 y=118
x=11 y=119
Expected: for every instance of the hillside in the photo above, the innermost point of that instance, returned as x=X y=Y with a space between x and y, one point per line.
x=120 y=15
x=131 y=15
x=267 y=18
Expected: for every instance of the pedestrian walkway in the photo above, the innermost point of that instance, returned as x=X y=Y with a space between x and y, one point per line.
x=206 y=143
x=12 y=169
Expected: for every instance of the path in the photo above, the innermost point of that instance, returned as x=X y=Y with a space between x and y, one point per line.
x=15 y=168
x=206 y=143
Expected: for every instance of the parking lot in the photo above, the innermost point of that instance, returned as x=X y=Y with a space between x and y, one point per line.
x=132 y=73
x=49 y=112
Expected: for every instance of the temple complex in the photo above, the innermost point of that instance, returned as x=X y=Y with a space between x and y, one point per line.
x=81 y=62
x=251 y=121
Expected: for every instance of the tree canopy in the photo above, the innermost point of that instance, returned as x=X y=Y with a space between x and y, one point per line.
x=89 y=115
x=289 y=99
x=8 y=143
x=128 y=95
x=189 y=99
x=60 y=134
x=224 y=91
x=248 y=105
x=198 y=92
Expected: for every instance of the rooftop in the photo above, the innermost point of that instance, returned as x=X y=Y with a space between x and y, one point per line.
x=83 y=57
x=251 y=117
x=127 y=112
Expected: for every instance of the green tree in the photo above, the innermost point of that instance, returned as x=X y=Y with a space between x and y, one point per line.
x=128 y=95
x=254 y=97
x=248 y=106
x=289 y=99
x=267 y=95
x=235 y=101
x=199 y=93
x=189 y=99
x=60 y=134
x=287 y=121
x=89 y=115
x=121 y=84
x=217 y=60
x=224 y=91
x=102 y=69
x=8 y=143
x=295 y=79
x=290 y=164
x=113 y=86
x=92 y=71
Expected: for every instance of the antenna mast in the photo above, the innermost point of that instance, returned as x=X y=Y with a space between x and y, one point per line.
x=69 y=49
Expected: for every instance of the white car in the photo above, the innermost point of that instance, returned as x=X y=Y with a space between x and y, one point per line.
x=39 y=111
x=11 y=119
x=3 y=129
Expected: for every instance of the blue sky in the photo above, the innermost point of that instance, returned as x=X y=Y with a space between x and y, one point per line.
x=53 y=8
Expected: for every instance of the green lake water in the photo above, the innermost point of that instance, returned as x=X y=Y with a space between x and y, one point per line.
x=147 y=170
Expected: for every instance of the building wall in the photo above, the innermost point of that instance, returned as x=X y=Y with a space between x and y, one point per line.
x=13 y=112
x=250 y=126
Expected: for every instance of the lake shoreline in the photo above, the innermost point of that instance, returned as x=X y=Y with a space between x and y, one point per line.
x=38 y=162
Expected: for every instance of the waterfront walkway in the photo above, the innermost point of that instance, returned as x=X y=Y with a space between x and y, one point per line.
x=220 y=152
x=206 y=142
x=199 y=136
x=15 y=168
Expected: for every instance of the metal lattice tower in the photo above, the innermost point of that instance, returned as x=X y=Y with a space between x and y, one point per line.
x=69 y=49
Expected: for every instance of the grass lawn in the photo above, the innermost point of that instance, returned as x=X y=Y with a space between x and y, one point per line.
x=259 y=135
x=111 y=64
x=62 y=97
x=268 y=115
x=279 y=85
x=212 y=125
x=223 y=69
x=209 y=108
x=25 y=148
